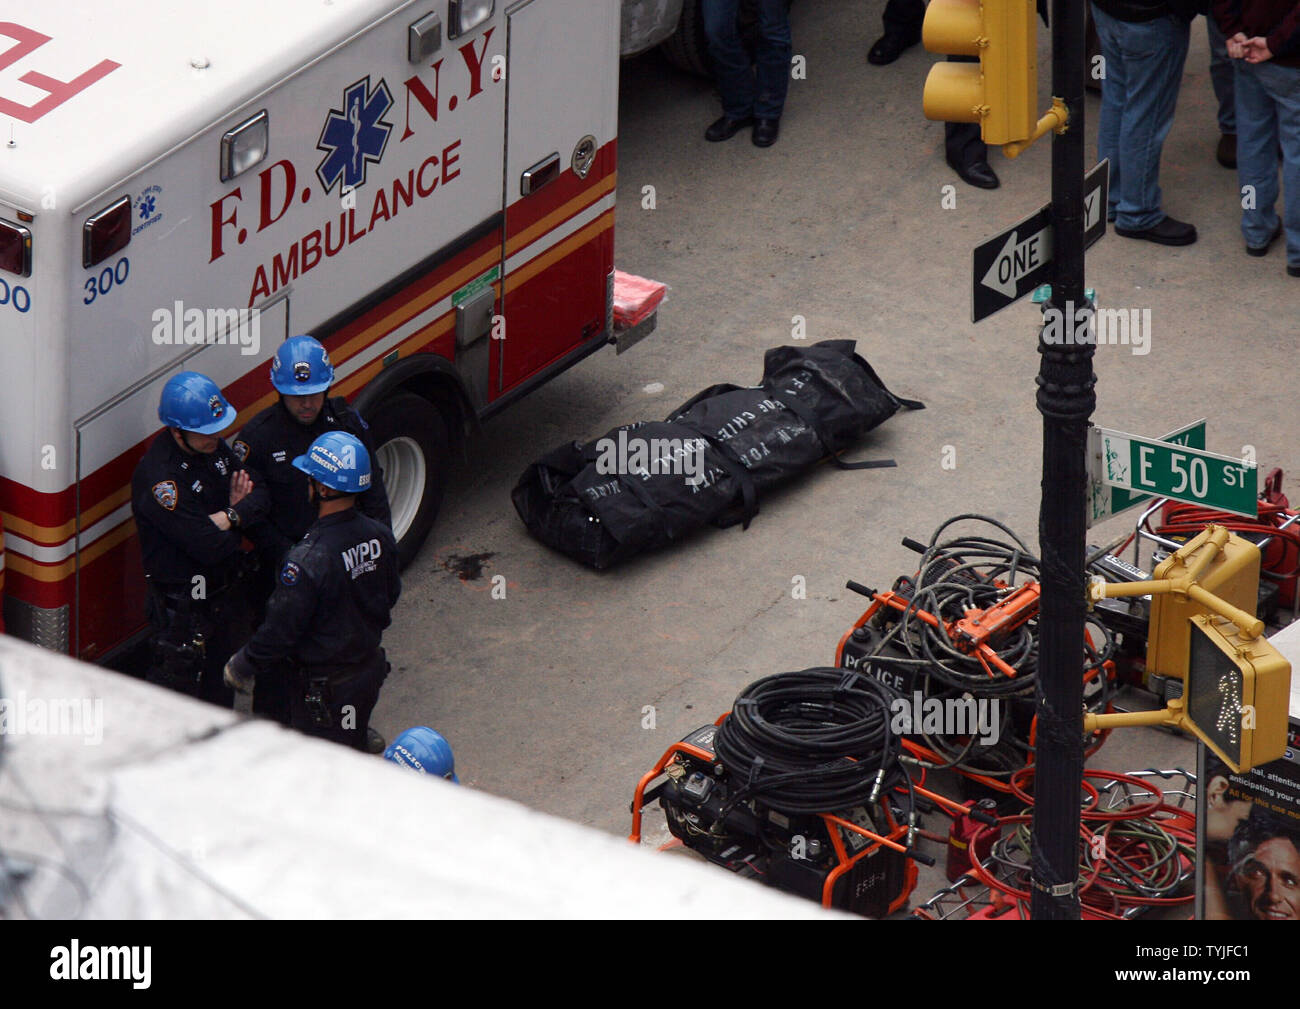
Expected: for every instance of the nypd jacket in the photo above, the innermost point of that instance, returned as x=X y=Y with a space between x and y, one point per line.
x=279 y=510
x=333 y=597
x=172 y=495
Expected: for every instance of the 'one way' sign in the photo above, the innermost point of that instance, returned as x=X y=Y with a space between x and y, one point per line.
x=1010 y=265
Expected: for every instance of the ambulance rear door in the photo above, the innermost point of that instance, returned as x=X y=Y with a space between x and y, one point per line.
x=562 y=90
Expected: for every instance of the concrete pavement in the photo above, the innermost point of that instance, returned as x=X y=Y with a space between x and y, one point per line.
x=544 y=693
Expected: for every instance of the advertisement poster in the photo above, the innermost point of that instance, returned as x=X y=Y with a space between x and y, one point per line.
x=1248 y=837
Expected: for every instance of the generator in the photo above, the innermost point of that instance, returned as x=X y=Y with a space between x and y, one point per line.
x=800 y=786
x=811 y=856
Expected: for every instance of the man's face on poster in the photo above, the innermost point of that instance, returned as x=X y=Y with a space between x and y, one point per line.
x=1270 y=880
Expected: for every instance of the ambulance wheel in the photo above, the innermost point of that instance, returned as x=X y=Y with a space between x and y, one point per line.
x=413 y=451
x=688 y=47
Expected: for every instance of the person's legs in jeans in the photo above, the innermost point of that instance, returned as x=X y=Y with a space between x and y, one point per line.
x=1285 y=86
x=774 y=54
x=1114 y=87
x=1257 y=138
x=1153 y=53
x=1221 y=74
x=731 y=70
x=1221 y=77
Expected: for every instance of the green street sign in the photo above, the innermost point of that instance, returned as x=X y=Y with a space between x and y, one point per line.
x=1146 y=466
x=1105 y=500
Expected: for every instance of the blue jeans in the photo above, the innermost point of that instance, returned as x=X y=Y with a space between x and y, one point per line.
x=1221 y=76
x=1144 y=66
x=1268 y=112
x=745 y=92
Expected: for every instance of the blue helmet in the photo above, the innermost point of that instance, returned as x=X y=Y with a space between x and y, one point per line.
x=301 y=367
x=339 y=461
x=193 y=402
x=423 y=750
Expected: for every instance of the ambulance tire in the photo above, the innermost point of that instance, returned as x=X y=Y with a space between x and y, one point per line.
x=410 y=439
x=688 y=47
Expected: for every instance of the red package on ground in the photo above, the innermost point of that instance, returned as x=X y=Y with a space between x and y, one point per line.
x=635 y=298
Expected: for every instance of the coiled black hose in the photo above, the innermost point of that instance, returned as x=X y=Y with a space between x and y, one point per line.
x=811 y=742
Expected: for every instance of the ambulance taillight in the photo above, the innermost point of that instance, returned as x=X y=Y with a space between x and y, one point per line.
x=15 y=249
x=106 y=232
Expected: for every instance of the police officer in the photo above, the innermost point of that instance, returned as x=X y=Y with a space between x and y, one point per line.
x=281 y=513
x=189 y=496
x=279 y=510
x=332 y=600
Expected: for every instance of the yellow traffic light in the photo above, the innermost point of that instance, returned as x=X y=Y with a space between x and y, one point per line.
x=1203 y=631
x=1001 y=93
x=1224 y=565
x=1236 y=693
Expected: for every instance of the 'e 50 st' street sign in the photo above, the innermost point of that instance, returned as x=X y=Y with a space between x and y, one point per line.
x=1147 y=466
x=1105 y=500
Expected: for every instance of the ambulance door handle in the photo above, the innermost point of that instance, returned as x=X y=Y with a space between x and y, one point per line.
x=546 y=170
x=474 y=317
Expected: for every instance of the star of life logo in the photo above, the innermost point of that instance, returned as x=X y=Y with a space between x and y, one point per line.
x=354 y=135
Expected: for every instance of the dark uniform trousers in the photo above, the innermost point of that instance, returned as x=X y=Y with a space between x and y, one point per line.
x=962 y=143
x=324 y=623
x=195 y=571
x=335 y=702
x=279 y=510
x=192 y=639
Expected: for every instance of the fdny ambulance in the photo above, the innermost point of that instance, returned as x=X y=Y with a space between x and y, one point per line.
x=426 y=187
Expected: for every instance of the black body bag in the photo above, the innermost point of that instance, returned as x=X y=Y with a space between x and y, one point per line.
x=648 y=484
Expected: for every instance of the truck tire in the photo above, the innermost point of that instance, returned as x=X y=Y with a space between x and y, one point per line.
x=688 y=47
x=411 y=443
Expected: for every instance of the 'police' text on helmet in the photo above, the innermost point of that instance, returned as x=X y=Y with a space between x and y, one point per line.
x=339 y=461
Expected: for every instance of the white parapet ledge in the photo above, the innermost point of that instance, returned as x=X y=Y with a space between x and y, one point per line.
x=152 y=805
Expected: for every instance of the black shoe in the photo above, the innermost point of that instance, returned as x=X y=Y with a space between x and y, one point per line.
x=1167 y=232
x=977 y=173
x=1262 y=250
x=891 y=46
x=1293 y=271
x=725 y=128
x=1226 y=153
x=375 y=743
x=765 y=132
